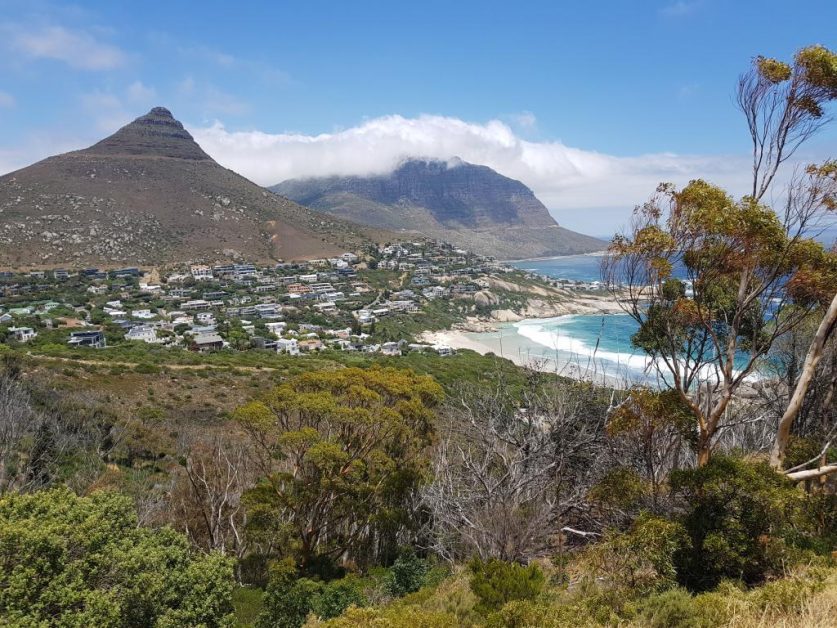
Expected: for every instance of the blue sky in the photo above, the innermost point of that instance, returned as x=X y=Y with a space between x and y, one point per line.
x=619 y=92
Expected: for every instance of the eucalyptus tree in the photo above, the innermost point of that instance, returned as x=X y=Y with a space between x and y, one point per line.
x=713 y=281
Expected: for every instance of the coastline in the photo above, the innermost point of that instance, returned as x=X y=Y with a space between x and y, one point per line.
x=506 y=341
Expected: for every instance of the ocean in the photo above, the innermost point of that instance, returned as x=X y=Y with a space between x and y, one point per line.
x=591 y=345
x=574 y=267
x=591 y=342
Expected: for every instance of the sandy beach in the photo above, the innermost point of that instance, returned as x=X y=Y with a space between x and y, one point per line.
x=504 y=340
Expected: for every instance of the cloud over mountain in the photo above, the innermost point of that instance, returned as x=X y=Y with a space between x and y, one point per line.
x=564 y=177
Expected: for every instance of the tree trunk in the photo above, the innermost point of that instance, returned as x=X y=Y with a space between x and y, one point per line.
x=810 y=474
x=812 y=359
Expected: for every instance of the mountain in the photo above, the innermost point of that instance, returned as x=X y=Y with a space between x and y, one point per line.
x=149 y=194
x=469 y=205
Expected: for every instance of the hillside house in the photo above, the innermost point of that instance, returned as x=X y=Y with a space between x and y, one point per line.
x=287 y=345
x=142 y=333
x=22 y=334
x=92 y=338
x=207 y=341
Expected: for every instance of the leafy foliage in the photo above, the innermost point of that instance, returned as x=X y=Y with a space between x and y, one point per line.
x=496 y=582
x=406 y=575
x=83 y=561
x=742 y=515
x=643 y=558
x=289 y=599
x=340 y=451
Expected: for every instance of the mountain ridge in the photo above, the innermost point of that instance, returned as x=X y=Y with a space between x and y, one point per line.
x=467 y=204
x=149 y=194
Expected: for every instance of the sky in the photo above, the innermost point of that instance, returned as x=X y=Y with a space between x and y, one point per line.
x=590 y=104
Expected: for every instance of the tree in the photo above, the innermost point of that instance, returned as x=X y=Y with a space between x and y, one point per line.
x=207 y=494
x=84 y=561
x=754 y=275
x=340 y=453
x=508 y=478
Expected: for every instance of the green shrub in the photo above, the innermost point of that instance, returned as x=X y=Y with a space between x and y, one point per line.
x=335 y=597
x=621 y=488
x=496 y=582
x=84 y=561
x=287 y=600
x=739 y=515
x=406 y=575
x=674 y=608
x=643 y=558
x=788 y=595
x=392 y=617
x=248 y=605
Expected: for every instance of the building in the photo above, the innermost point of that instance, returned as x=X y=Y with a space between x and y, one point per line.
x=93 y=338
x=287 y=345
x=196 y=304
x=142 y=333
x=201 y=272
x=207 y=341
x=22 y=334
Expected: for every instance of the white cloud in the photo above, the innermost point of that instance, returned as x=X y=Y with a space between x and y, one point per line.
x=563 y=177
x=111 y=110
x=78 y=49
x=6 y=100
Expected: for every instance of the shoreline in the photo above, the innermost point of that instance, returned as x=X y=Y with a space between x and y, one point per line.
x=503 y=339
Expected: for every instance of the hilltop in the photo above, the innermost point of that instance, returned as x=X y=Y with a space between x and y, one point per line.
x=469 y=205
x=150 y=194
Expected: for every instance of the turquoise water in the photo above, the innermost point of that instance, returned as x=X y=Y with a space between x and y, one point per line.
x=588 y=342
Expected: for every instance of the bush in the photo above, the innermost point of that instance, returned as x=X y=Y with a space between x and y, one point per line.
x=674 y=608
x=496 y=582
x=643 y=558
x=406 y=575
x=391 y=617
x=740 y=515
x=288 y=600
x=84 y=561
x=335 y=597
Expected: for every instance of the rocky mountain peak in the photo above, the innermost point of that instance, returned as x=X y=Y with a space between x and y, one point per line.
x=156 y=134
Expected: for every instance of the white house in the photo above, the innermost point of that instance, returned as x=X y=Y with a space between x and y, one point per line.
x=23 y=334
x=287 y=345
x=276 y=327
x=142 y=333
x=201 y=272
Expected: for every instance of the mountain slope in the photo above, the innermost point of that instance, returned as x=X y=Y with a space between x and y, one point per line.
x=149 y=194
x=472 y=206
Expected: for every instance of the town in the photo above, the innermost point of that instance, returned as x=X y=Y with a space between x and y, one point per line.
x=375 y=301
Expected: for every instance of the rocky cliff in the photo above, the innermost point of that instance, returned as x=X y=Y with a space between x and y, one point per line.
x=470 y=205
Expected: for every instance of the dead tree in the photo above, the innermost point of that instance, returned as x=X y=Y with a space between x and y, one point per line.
x=508 y=478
